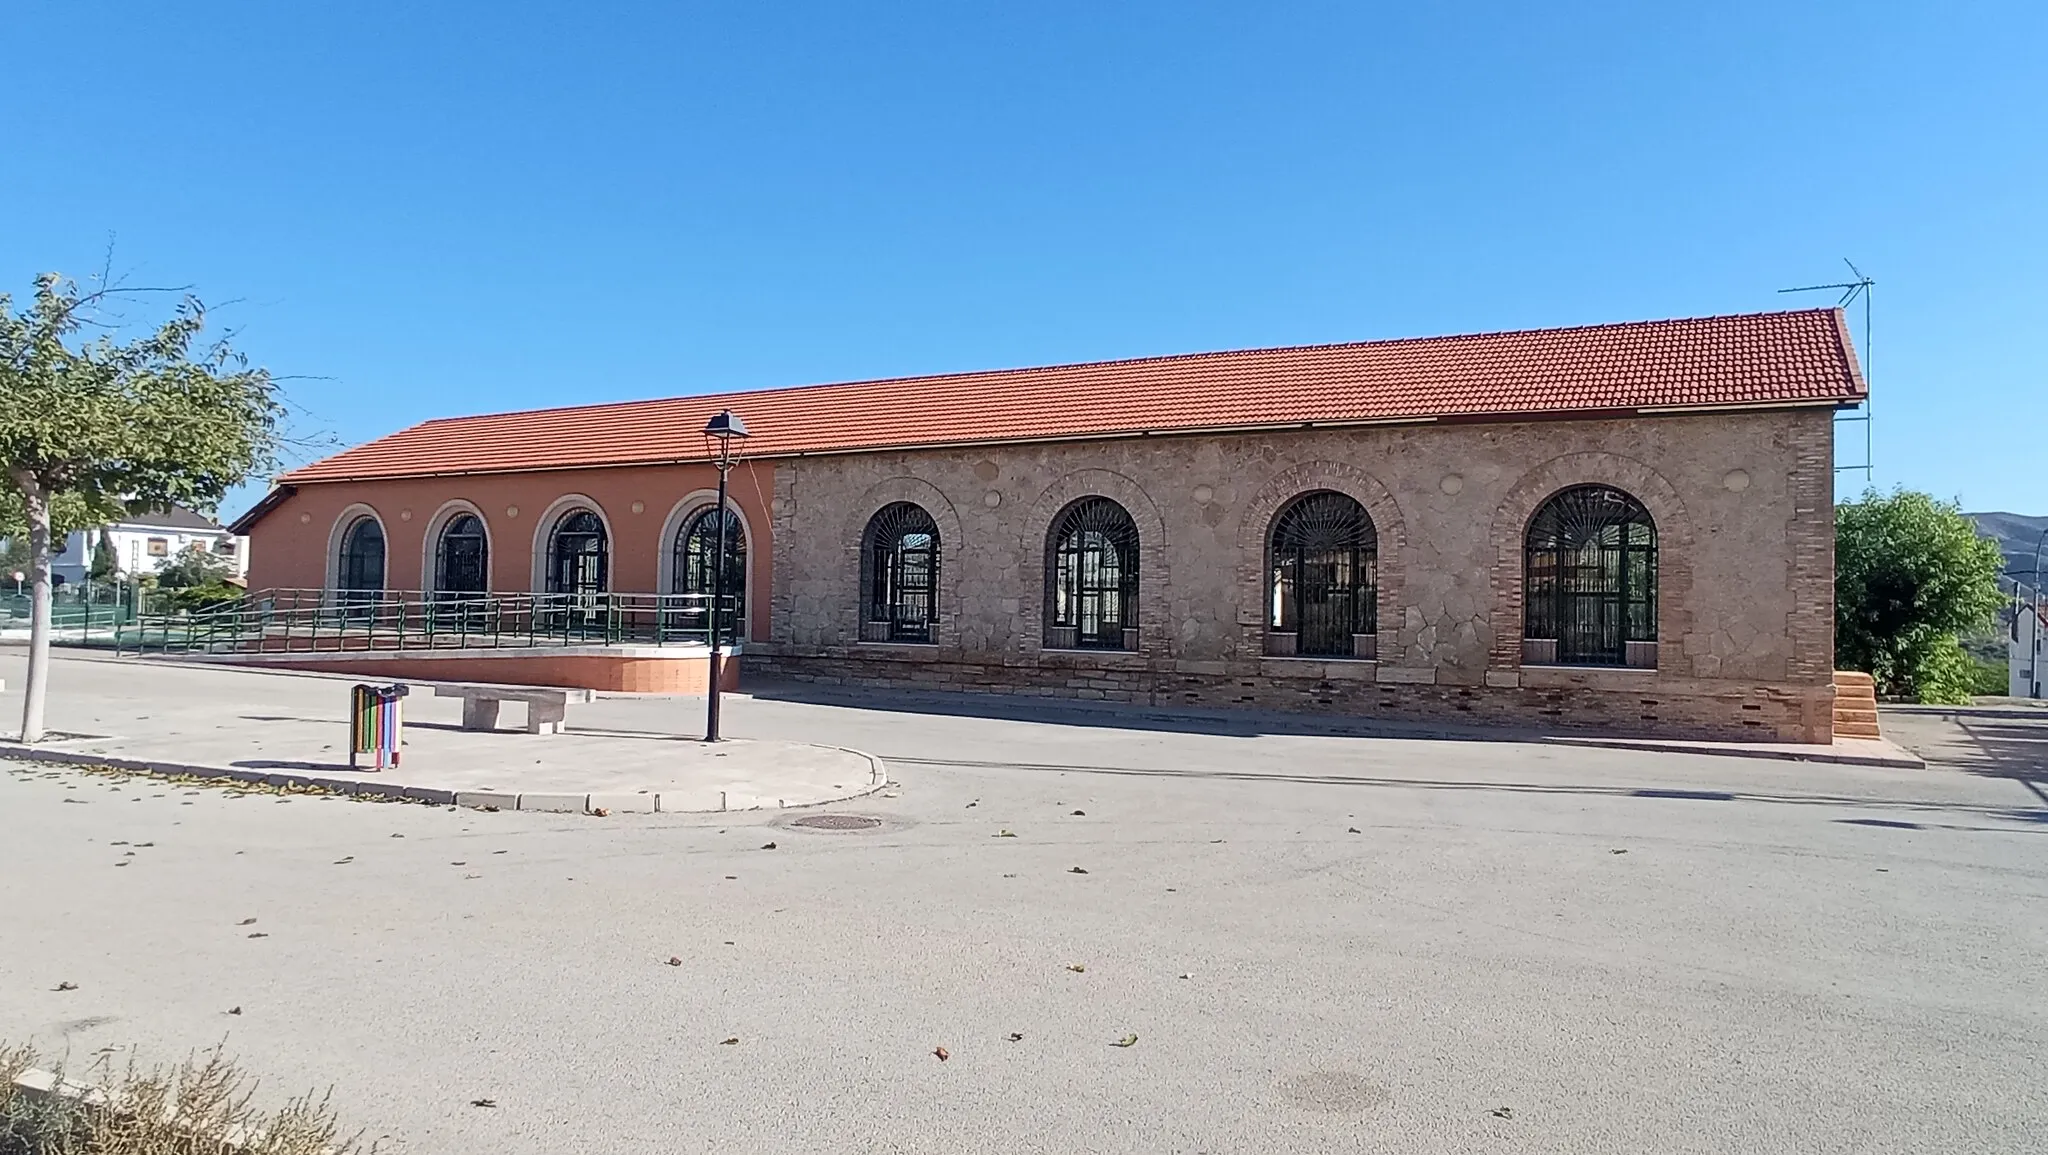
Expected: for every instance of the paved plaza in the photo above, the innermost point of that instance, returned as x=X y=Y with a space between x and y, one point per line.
x=1320 y=942
x=619 y=755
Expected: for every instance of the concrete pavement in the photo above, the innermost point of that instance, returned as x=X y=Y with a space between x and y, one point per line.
x=1322 y=943
x=638 y=755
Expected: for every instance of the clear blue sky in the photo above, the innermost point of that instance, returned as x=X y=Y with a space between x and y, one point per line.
x=433 y=209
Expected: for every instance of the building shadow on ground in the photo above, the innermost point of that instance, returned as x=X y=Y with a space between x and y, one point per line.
x=1170 y=719
x=1991 y=741
x=1927 y=807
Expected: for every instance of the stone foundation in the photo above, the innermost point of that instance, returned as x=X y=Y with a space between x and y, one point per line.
x=1615 y=702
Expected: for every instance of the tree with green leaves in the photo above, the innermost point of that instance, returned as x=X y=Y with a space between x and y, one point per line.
x=91 y=427
x=105 y=566
x=194 y=566
x=1911 y=577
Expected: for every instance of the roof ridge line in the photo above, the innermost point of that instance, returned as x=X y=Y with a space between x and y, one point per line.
x=1162 y=358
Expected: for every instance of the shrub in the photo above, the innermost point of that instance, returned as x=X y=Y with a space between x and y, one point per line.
x=202 y=1106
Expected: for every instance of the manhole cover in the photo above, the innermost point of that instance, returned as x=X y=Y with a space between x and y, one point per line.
x=837 y=822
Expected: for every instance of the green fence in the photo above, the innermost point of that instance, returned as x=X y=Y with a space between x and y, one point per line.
x=88 y=608
x=317 y=621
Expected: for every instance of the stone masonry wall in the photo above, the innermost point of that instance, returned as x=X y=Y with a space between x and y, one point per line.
x=1742 y=503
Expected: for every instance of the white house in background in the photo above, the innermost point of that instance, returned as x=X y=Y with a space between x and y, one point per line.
x=2024 y=655
x=144 y=542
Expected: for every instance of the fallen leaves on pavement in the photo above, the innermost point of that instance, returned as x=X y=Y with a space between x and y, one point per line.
x=1075 y=870
x=729 y=1042
x=1126 y=1041
x=941 y=1054
x=67 y=986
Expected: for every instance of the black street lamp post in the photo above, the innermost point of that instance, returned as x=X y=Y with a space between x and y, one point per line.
x=719 y=434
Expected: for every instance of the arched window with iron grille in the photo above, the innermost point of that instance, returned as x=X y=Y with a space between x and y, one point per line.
x=1323 y=587
x=462 y=557
x=693 y=554
x=359 y=571
x=579 y=555
x=1590 y=581
x=899 y=575
x=1091 y=577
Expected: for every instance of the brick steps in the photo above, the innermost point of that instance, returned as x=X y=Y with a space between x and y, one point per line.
x=1855 y=705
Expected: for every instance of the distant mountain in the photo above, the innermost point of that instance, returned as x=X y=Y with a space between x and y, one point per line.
x=2016 y=536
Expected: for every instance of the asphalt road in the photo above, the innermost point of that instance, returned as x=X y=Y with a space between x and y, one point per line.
x=1320 y=943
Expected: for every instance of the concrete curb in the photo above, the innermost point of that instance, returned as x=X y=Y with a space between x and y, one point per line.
x=346 y=786
x=1902 y=760
x=705 y=801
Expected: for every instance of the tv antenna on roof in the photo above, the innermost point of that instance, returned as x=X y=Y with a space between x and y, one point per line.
x=1851 y=292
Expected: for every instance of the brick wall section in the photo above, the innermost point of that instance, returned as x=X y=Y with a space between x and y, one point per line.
x=293 y=546
x=576 y=671
x=1742 y=503
x=1625 y=704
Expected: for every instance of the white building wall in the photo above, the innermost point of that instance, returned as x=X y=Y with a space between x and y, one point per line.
x=144 y=549
x=2024 y=655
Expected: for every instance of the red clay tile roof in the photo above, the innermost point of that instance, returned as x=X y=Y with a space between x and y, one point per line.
x=1759 y=359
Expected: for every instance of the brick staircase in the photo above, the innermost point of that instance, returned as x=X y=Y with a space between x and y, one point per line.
x=1855 y=705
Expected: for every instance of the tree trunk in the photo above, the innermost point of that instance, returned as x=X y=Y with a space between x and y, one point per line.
x=37 y=505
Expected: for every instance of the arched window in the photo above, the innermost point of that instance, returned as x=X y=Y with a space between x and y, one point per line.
x=1590 y=580
x=359 y=571
x=695 y=551
x=578 y=557
x=1323 y=595
x=899 y=575
x=462 y=557
x=1091 y=577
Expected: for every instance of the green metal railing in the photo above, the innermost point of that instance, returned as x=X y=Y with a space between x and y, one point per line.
x=324 y=621
x=80 y=612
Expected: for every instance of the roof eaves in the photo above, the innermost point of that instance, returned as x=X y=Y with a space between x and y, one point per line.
x=1857 y=383
x=1742 y=407
x=241 y=526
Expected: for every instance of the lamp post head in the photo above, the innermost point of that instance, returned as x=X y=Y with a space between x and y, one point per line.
x=720 y=432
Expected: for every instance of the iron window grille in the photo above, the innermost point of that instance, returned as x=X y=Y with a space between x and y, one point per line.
x=1590 y=576
x=1324 y=574
x=360 y=574
x=694 y=553
x=578 y=561
x=462 y=557
x=900 y=574
x=1092 y=576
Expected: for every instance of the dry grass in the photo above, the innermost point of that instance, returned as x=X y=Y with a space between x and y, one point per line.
x=202 y=1106
x=27 y=765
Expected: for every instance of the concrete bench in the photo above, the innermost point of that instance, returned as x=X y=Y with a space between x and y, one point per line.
x=546 y=706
